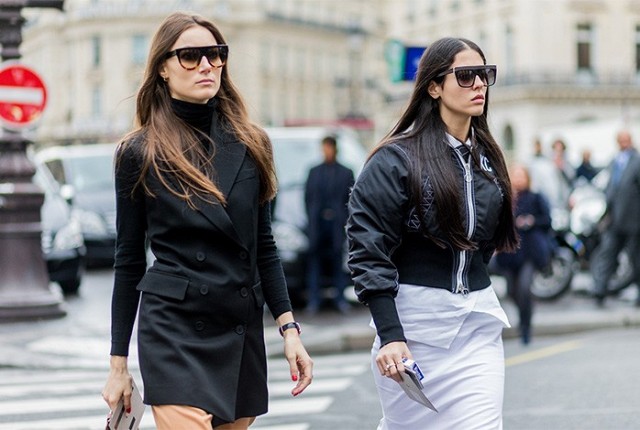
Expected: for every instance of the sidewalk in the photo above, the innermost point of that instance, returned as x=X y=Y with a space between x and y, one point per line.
x=83 y=342
x=330 y=332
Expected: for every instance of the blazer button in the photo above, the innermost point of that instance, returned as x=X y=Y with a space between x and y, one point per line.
x=244 y=292
x=200 y=256
x=204 y=290
x=243 y=255
x=240 y=329
x=199 y=325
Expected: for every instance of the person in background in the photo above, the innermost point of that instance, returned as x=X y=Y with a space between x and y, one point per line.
x=533 y=221
x=586 y=170
x=195 y=179
x=565 y=172
x=431 y=205
x=620 y=221
x=544 y=176
x=326 y=196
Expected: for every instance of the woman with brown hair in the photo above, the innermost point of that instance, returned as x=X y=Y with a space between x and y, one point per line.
x=195 y=181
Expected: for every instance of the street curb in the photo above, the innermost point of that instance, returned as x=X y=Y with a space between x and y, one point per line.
x=359 y=340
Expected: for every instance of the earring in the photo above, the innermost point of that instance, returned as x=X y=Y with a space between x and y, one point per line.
x=165 y=78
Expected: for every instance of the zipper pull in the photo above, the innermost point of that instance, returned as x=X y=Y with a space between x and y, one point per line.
x=461 y=289
x=468 y=177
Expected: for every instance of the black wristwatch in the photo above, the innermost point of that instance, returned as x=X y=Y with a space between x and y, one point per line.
x=289 y=325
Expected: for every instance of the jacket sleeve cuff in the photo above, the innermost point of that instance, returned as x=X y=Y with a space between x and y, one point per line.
x=385 y=317
x=119 y=348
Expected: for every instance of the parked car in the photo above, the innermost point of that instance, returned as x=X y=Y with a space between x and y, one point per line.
x=85 y=175
x=296 y=151
x=62 y=243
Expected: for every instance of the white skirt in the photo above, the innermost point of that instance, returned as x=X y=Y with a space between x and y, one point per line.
x=457 y=342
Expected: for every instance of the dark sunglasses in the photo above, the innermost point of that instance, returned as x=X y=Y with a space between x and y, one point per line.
x=466 y=75
x=189 y=58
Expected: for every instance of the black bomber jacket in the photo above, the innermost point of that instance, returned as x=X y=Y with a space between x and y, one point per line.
x=387 y=246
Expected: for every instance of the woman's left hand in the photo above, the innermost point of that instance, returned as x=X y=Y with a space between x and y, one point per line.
x=300 y=364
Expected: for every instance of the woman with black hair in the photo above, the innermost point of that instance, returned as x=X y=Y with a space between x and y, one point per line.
x=429 y=209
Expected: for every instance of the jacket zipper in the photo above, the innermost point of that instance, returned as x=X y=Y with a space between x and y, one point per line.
x=471 y=212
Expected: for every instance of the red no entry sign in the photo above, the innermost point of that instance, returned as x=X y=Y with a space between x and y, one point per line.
x=23 y=96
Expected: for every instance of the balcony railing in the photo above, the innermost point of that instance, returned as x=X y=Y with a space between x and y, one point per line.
x=578 y=79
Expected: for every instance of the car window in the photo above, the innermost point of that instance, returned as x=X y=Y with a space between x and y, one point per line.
x=57 y=170
x=92 y=173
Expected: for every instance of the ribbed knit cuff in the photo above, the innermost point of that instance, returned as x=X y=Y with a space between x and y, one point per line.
x=385 y=316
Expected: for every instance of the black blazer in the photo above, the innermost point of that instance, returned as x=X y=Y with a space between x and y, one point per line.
x=200 y=332
x=623 y=198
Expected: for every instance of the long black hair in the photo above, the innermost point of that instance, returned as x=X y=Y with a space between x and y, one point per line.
x=421 y=131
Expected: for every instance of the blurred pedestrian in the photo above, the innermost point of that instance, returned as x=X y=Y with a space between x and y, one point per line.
x=620 y=221
x=425 y=215
x=545 y=179
x=195 y=179
x=586 y=170
x=565 y=173
x=326 y=196
x=533 y=221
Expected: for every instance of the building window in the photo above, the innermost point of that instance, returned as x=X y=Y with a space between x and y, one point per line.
x=139 y=47
x=509 y=54
x=637 y=48
x=265 y=57
x=96 y=49
x=508 y=142
x=584 y=47
x=96 y=102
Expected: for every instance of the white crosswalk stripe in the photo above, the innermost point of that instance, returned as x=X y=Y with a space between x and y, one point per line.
x=71 y=400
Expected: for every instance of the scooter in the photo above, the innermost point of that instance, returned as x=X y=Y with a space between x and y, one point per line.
x=555 y=280
x=577 y=235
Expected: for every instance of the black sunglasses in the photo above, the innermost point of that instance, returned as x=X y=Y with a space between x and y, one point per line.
x=189 y=58
x=466 y=75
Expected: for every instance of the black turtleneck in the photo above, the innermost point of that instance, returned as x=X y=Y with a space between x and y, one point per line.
x=197 y=115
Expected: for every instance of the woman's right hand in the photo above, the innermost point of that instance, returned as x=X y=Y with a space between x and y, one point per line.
x=389 y=359
x=119 y=384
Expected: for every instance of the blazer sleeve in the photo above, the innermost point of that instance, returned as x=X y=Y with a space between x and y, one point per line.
x=130 y=255
x=377 y=208
x=274 y=285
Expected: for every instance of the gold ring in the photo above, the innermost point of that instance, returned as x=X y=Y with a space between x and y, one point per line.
x=389 y=366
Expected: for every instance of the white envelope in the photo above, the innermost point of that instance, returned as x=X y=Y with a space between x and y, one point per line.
x=413 y=387
x=119 y=420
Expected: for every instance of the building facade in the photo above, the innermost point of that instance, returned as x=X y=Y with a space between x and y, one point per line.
x=295 y=61
x=562 y=65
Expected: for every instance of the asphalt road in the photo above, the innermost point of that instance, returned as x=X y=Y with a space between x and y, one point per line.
x=587 y=380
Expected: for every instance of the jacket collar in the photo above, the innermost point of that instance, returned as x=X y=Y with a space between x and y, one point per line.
x=228 y=158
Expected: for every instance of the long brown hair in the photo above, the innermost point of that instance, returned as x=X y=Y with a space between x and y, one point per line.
x=423 y=127
x=170 y=148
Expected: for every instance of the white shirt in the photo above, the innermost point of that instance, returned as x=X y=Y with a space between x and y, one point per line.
x=434 y=315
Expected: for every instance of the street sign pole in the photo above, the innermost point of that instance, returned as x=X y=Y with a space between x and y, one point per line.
x=25 y=291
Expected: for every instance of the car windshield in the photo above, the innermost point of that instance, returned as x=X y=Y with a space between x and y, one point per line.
x=92 y=173
x=294 y=157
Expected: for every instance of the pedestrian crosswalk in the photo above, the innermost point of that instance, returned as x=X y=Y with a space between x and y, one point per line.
x=70 y=399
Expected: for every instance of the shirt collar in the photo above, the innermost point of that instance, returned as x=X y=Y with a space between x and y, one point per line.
x=454 y=143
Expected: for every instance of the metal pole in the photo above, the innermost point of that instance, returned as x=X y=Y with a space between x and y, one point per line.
x=25 y=291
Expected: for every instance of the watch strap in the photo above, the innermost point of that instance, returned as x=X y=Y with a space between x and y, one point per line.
x=288 y=326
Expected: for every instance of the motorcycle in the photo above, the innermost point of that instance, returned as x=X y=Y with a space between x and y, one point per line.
x=555 y=280
x=577 y=235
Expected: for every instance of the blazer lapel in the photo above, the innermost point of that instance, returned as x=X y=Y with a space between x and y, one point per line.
x=227 y=160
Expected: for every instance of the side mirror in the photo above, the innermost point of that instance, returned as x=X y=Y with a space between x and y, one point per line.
x=67 y=192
